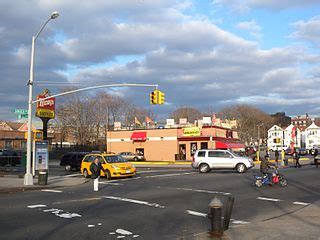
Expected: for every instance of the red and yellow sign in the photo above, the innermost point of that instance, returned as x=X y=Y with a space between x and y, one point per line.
x=45 y=108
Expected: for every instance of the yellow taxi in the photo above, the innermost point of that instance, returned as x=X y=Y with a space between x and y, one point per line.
x=115 y=166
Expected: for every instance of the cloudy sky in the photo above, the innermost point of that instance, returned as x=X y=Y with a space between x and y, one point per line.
x=207 y=54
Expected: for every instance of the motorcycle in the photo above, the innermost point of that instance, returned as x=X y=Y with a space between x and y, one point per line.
x=270 y=179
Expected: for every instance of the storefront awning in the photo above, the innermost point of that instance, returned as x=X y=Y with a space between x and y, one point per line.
x=139 y=136
x=226 y=145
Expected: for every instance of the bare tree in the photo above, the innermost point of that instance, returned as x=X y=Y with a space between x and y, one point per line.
x=190 y=113
x=249 y=118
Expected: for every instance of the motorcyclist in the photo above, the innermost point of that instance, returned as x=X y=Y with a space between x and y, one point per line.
x=265 y=168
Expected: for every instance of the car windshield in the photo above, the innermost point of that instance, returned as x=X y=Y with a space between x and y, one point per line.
x=236 y=154
x=115 y=159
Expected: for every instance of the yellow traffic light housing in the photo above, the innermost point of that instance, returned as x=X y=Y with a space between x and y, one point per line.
x=153 y=97
x=157 y=97
x=161 y=98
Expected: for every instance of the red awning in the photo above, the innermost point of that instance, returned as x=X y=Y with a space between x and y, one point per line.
x=226 y=145
x=139 y=136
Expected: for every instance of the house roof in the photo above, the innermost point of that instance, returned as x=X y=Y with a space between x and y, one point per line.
x=312 y=126
x=14 y=126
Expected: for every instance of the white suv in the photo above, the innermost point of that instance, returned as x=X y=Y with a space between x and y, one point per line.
x=207 y=159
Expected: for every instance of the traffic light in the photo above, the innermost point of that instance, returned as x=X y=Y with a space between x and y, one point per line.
x=153 y=97
x=160 y=97
x=274 y=140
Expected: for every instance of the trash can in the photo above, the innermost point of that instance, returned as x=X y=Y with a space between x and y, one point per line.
x=42 y=178
x=24 y=159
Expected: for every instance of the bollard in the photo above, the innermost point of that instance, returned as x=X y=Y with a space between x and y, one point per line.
x=215 y=216
x=227 y=214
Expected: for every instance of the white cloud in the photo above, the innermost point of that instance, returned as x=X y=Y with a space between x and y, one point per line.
x=308 y=30
x=245 y=5
x=251 y=26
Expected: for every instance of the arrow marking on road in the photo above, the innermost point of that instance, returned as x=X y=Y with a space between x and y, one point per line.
x=156 y=205
x=269 y=199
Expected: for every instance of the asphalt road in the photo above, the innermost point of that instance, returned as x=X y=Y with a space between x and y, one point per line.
x=156 y=204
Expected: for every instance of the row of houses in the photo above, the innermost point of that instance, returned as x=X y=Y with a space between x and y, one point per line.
x=299 y=136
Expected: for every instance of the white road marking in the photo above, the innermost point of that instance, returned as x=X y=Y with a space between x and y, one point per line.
x=111 y=183
x=301 y=203
x=156 y=205
x=170 y=175
x=203 y=191
x=233 y=221
x=199 y=214
x=51 y=190
x=123 y=232
x=135 y=236
x=37 y=206
x=121 y=237
x=269 y=199
x=99 y=224
x=50 y=210
x=68 y=215
x=90 y=226
x=125 y=179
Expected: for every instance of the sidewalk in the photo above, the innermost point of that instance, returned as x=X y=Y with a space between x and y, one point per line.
x=14 y=183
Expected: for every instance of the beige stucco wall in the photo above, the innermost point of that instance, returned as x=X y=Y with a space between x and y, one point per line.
x=161 y=144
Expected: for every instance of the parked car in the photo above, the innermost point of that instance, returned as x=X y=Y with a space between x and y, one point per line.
x=132 y=157
x=303 y=151
x=205 y=160
x=72 y=160
x=115 y=165
x=10 y=157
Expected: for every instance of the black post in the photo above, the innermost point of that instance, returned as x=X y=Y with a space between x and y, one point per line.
x=216 y=217
x=228 y=211
x=45 y=127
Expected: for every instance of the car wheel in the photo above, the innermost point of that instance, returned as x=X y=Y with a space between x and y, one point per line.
x=258 y=183
x=241 y=168
x=135 y=159
x=68 y=168
x=204 y=168
x=107 y=174
x=85 y=173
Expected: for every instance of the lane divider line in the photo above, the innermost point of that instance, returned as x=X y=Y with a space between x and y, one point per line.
x=301 y=203
x=170 y=175
x=111 y=183
x=269 y=199
x=37 y=206
x=199 y=214
x=203 y=191
x=156 y=205
x=51 y=190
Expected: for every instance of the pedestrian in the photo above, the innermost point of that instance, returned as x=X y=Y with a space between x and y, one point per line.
x=276 y=154
x=264 y=168
x=315 y=158
x=95 y=169
x=296 y=157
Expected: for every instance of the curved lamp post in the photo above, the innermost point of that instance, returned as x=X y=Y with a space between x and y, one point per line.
x=28 y=178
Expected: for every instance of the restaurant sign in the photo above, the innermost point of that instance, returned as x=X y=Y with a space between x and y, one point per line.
x=191 y=132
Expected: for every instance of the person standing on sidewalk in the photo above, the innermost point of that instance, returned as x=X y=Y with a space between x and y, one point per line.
x=96 y=169
x=315 y=159
x=296 y=157
x=276 y=154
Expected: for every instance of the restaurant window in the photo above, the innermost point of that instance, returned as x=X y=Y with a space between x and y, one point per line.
x=204 y=145
x=8 y=144
x=193 y=148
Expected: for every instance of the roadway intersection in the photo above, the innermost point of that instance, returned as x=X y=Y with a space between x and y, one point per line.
x=157 y=204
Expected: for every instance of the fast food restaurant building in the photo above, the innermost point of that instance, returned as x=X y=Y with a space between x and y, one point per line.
x=170 y=144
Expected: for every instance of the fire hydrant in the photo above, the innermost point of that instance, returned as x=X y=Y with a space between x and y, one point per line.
x=216 y=216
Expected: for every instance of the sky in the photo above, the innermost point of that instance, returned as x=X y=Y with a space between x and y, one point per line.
x=207 y=54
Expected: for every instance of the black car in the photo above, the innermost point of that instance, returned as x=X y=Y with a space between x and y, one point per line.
x=72 y=160
x=10 y=157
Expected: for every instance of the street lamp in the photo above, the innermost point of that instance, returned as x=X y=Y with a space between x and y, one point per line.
x=258 y=152
x=28 y=178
